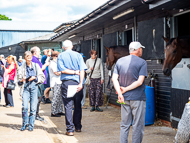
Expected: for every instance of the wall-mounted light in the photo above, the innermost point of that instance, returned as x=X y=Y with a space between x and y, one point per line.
x=71 y=36
x=123 y=13
x=9 y=48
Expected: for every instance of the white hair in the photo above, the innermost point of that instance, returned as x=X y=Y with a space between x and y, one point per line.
x=34 y=49
x=67 y=44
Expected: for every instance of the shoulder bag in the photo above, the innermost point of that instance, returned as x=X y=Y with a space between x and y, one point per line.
x=10 y=85
x=87 y=81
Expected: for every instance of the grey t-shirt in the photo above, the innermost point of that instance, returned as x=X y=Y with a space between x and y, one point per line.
x=129 y=68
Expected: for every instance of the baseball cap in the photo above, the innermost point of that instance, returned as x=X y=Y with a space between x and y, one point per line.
x=134 y=46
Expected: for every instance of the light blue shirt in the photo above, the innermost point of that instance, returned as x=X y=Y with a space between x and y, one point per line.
x=70 y=60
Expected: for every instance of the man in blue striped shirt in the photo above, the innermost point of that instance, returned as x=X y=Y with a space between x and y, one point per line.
x=72 y=68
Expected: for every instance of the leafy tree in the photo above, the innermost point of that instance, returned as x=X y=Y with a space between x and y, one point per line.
x=3 y=17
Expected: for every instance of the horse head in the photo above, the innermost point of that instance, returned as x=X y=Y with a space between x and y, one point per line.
x=173 y=55
x=109 y=57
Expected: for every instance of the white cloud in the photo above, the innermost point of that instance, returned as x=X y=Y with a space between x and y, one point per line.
x=48 y=10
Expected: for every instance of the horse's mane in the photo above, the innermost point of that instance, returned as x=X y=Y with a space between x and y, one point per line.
x=180 y=37
x=170 y=41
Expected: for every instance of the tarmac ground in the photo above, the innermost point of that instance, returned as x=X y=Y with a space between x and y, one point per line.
x=97 y=127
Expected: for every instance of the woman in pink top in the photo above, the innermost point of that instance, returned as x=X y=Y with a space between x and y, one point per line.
x=9 y=75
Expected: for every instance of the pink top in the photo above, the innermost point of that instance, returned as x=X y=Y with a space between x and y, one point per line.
x=12 y=73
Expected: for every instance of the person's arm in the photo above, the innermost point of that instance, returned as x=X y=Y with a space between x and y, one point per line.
x=117 y=87
x=57 y=73
x=45 y=65
x=11 y=67
x=80 y=86
x=134 y=85
x=53 y=68
x=21 y=79
x=102 y=73
x=68 y=71
x=88 y=67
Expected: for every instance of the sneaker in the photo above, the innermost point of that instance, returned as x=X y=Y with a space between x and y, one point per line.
x=98 y=109
x=84 y=107
x=55 y=115
x=8 y=106
x=39 y=118
x=48 y=101
x=93 y=109
x=23 y=128
x=43 y=99
x=30 y=129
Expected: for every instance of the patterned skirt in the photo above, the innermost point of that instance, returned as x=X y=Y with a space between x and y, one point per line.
x=57 y=102
x=95 y=92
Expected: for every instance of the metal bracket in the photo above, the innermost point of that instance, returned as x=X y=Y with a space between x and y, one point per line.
x=174 y=118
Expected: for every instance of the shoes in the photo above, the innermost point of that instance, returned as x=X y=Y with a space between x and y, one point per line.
x=62 y=114
x=23 y=128
x=43 y=99
x=48 y=101
x=98 y=109
x=8 y=106
x=30 y=129
x=39 y=118
x=84 y=107
x=70 y=133
x=5 y=105
x=93 y=109
x=55 y=115
x=77 y=130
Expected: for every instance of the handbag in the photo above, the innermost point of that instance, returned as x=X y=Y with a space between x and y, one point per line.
x=10 y=85
x=87 y=81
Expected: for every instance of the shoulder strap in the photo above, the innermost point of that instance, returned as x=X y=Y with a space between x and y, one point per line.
x=93 y=67
x=36 y=69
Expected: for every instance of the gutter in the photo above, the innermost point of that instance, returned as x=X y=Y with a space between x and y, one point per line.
x=87 y=17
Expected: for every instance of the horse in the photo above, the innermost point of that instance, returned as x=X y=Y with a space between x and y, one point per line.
x=113 y=53
x=175 y=50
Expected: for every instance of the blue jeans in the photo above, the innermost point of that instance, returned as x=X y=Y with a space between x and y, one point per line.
x=29 y=94
x=8 y=97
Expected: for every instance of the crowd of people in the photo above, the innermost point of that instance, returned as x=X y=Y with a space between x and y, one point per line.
x=54 y=71
x=66 y=71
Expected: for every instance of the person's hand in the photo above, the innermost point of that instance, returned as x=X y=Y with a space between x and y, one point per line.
x=91 y=68
x=79 y=88
x=3 y=66
x=123 y=90
x=32 y=78
x=102 y=81
x=120 y=98
x=77 y=72
x=24 y=79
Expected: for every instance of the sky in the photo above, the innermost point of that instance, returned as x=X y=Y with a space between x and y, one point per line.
x=48 y=10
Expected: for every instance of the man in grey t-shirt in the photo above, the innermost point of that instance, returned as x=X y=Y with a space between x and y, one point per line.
x=131 y=71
